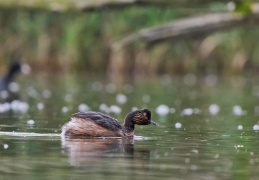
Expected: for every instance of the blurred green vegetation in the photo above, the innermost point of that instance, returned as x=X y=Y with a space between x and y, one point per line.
x=80 y=41
x=244 y=7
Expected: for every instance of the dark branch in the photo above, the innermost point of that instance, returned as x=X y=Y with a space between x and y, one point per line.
x=189 y=27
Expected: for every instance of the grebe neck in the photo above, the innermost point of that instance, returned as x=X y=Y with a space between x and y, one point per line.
x=128 y=127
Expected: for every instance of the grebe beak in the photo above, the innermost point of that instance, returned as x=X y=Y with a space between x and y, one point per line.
x=154 y=123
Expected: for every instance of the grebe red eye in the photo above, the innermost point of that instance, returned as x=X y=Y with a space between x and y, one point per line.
x=146 y=117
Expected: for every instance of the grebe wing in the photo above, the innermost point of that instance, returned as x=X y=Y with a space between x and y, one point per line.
x=100 y=119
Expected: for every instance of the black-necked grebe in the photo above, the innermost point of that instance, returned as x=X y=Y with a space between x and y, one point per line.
x=96 y=124
x=14 y=68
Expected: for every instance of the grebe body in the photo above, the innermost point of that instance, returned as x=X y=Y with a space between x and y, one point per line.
x=96 y=124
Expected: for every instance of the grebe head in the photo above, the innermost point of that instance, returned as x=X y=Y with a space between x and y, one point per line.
x=141 y=117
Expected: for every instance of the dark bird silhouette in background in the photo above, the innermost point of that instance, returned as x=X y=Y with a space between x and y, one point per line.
x=9 y=90
x=14 y=69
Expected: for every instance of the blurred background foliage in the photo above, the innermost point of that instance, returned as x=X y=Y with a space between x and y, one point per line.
x=80 y=41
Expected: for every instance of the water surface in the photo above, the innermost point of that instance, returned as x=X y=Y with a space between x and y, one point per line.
x=208 y=129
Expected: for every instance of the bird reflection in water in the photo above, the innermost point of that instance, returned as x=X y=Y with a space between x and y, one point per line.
x=82 y=151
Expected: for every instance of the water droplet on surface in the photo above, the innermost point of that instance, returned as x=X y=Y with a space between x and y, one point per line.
x=83 y=108
x=187 y=111
x=20 y=106
x=5 y=107
x=239 y=127
x=238 y=111
x=256 y=127
x=25 y=68
x=115 y=109
x=32 y=92
x=64 y=109
x=231 y=6
x=14 y=105
x=6 y=146
x=40 y=106
x=104 y=107
x=134 y=108
x=178 y=125
x=4 y=94
x=23 y=106
x=214 y=109
x=30 y=122
x=162 y=110
x=195 y=151
x=121 y=98
x=14 y=87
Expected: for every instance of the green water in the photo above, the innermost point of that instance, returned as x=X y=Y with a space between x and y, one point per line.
x=204 y=146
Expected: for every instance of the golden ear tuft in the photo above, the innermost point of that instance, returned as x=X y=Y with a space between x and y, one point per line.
x=137 y=117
